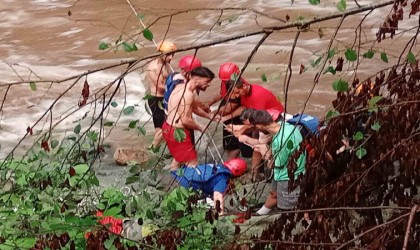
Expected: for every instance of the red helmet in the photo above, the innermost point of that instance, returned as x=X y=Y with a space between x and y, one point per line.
x=227 y=69
x=236 y=166
x=189 y=63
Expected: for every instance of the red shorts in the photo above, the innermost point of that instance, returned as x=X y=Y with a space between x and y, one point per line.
x=181 y=151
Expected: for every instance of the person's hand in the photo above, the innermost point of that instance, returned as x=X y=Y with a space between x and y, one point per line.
x=206 y=107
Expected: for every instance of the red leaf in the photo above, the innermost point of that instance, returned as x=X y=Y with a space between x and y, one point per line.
x=85 y=94
x=302 y=68
x=339 y=66
x=72 y=172
x=44 y=145
x=29 y=130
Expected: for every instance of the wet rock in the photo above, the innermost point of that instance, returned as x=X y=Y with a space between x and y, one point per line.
x=124 y=156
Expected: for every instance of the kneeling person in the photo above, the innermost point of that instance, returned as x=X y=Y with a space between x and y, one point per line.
x=286 y=140
x=211 y=179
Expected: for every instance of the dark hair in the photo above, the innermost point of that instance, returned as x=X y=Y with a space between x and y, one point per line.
x=246 y=114
x=230 y=84
x=260 y=117
x=202 y=72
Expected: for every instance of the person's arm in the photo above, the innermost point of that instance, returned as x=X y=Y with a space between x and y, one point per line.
x=264 y=151
x=215 y=99
x=237 y=112
x=248 y=140
x=198 y=108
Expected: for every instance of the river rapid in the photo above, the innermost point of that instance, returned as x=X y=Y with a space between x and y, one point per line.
x=57 y=39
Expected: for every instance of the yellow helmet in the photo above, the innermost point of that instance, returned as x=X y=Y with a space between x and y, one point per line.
x=166 y=46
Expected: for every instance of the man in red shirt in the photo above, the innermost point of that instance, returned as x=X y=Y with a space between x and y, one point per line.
x=252 y=96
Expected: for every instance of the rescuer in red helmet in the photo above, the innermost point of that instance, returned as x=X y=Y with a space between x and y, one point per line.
x=211 y=179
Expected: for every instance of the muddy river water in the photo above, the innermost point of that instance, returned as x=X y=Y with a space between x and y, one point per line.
x=57 y=39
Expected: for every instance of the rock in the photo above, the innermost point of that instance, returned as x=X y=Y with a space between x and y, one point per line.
x=124 y=156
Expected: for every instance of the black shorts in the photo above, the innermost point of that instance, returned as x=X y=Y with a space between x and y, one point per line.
x=230 y=142
x=158 y=113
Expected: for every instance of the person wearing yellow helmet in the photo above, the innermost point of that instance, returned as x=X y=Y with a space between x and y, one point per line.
x=156 y=74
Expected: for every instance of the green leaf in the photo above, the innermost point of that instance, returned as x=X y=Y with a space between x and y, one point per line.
x=316 y=62
x=25 y=243
x=133 y=124
x=351 y=55
x=132 y=179
x=103 y=46
x=148 y=97
x=384 y=57
x=114 y=104
x=330 y=69
x=127 y=47
x=369 y=54
x=331 y=114
x=376 y=126
x=264 y=77
x=77 y=129
x=234 y=77
x=108 y=124
x=54 y=143
x=109 y=242
x=33 y=86
x=148 y=34
x=358 y=136
x=314 y=2
x=331 y=53
x=179 y=134
x=128 y=110
x=147 y=108
x=112 y=211
x=81 y=169
x=361 y=152
x=340 y=85
x=342 y=5
x=373 y=101
x=233 y=18
x=411 y=58
x=141 y=130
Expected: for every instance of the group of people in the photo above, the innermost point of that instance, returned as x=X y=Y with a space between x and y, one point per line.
x=253 y=127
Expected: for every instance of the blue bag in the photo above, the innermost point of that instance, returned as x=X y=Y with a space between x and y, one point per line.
x=170 y=84
x=307 y=124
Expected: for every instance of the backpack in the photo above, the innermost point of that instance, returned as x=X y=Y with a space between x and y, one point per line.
x=307 y=124
x=170 y=84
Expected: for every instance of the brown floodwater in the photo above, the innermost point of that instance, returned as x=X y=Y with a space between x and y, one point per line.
x=57 y=39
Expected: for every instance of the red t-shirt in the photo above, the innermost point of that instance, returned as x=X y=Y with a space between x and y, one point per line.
x=261 y=98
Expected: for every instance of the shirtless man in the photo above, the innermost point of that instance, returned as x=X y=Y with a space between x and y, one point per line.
x=156 y=74
x=182 y=103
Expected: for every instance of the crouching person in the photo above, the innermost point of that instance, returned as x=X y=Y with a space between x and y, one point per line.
x=211 y=179
x=286 y=139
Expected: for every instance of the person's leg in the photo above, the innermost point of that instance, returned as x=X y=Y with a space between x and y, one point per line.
x=158 y=138
x=174 y=165
x=231 y=154
x=271 y=200
x=159 y=117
